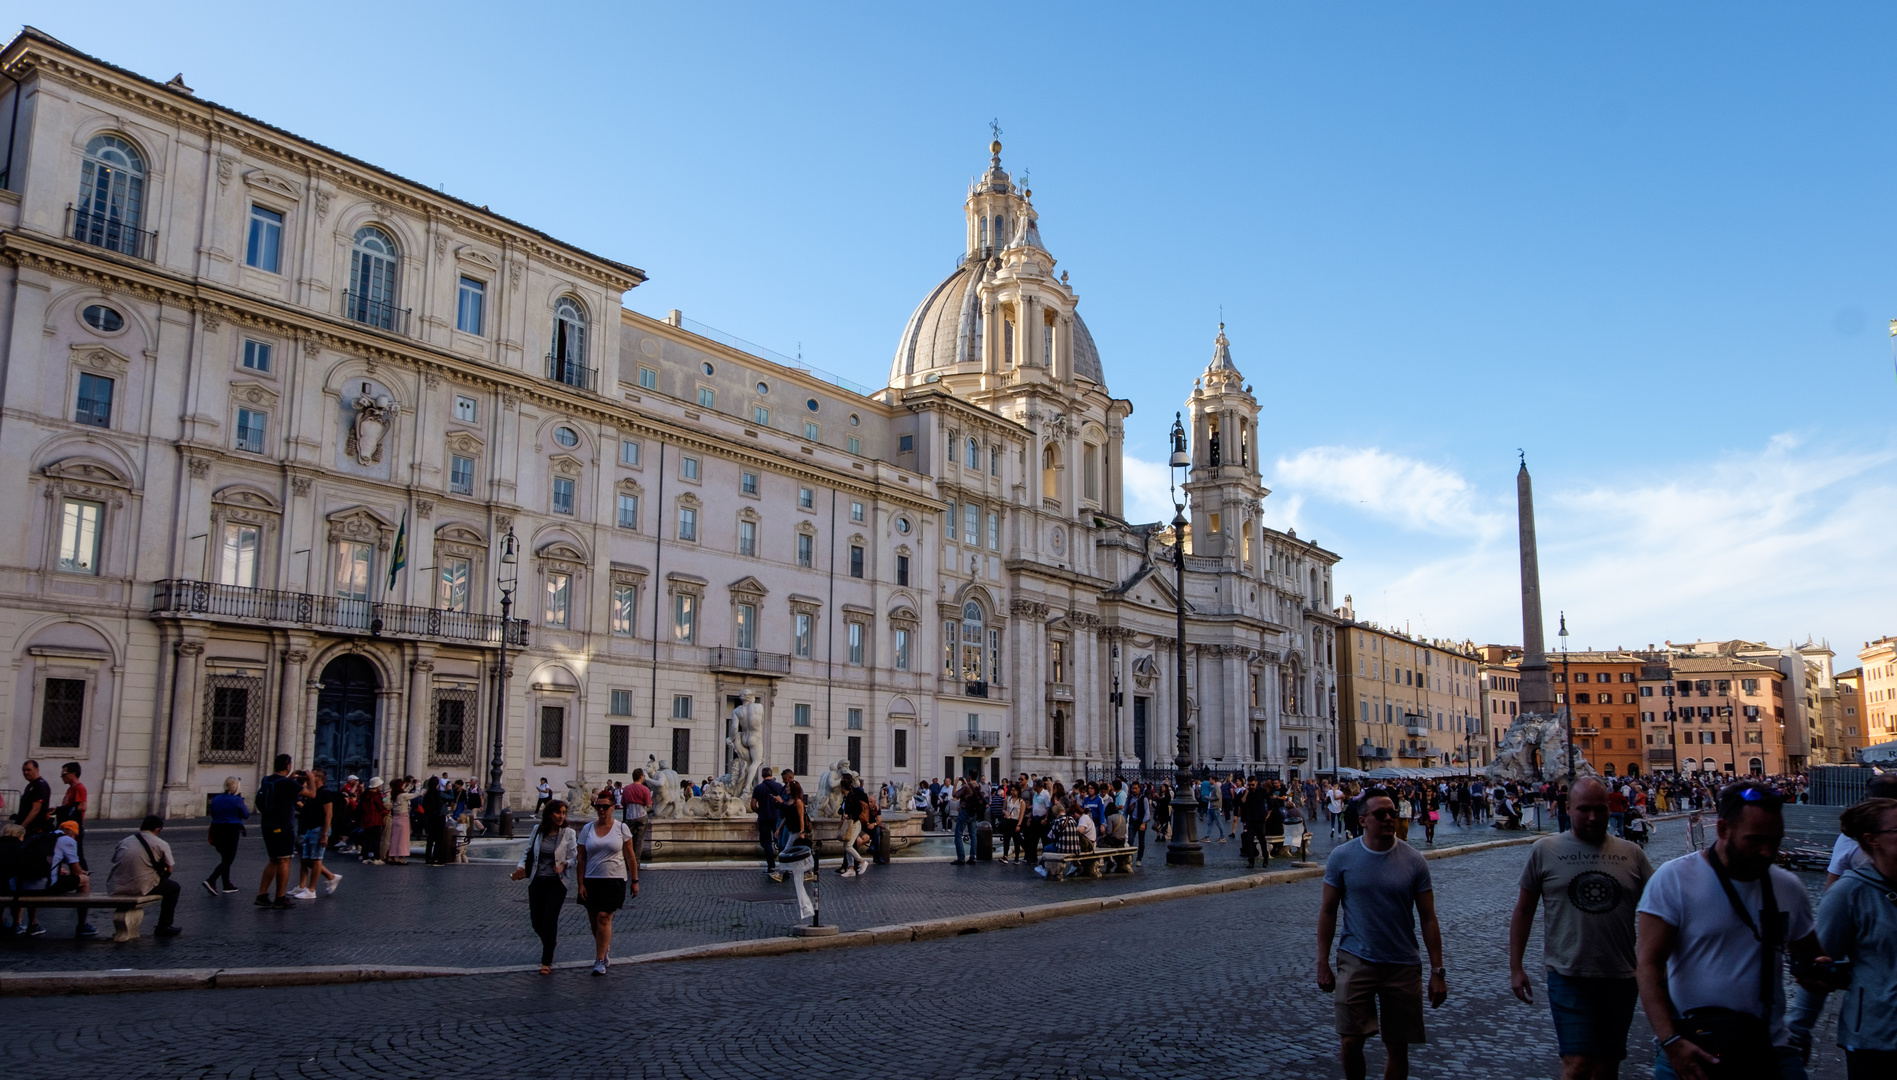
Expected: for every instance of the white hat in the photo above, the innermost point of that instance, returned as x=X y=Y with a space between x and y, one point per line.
x=375 y=782
x=352 y=777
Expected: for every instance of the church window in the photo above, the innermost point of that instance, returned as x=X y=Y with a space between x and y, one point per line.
x=1007 y=342
x=1047 y=345
x=973 y=457
x=1090 y=472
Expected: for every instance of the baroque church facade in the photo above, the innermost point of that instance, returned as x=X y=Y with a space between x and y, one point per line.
x=284 y=428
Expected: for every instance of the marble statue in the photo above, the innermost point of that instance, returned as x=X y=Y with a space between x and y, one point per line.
x=830 y=789
x=666 y=790
x=579 y=803
x=1535 y=748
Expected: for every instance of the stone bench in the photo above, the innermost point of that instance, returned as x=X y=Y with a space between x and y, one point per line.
x=128 y=912
x=1095 y=863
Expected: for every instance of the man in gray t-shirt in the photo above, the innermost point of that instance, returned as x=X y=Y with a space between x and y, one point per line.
x=1382 y=887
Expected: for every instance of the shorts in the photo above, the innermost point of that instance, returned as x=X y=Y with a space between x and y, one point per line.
x=1373 y=998
x=604 y=894
x=1591 y=1015
x=277 y=841
x=313 y=845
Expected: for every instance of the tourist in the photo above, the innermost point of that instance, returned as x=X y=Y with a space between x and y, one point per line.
x=969 y=805
x=276 y=813
x=1253 y=808
x=1857 y=921
x=767 y=802
x=375 y=820
x=544 y=793
x=1162 y=812
x=433 y=805
x=609 y=871
x=635 y=803
x=142 y=866
x=36 y=798
x=1846 y=855
x=1429 y=809
x=1379 y=885
x=316 y=816
x=855 y=818
x=1710 y=938
x=1139 y=814
x=550 y=850
x=72 y=807
x=1590 y=883
x=1011 y=826
x=13 y=867
x=401 y=843
x=228 y=814
x=68 y=874
x=1038 y=804
x=1334 y=806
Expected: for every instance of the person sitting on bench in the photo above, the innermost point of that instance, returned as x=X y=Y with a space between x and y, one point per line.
x=142 y=866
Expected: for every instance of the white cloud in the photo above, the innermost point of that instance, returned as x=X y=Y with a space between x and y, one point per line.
x=1414 y=494
x=1145 y=491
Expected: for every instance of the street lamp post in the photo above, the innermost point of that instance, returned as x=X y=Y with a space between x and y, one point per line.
x=1183 y=849
x=492 y=818
x=1567 y=696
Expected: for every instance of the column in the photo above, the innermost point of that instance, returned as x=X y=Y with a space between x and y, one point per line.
x=289 y=699
x=161 y=707
x=420 y=683
x=184 y=709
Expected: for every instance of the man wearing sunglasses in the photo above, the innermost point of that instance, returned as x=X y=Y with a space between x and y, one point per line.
x=1382 y=886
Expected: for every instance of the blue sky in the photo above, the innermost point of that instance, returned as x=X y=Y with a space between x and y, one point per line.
x=1651 y=246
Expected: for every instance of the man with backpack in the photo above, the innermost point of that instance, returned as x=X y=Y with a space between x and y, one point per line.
x=276 y=811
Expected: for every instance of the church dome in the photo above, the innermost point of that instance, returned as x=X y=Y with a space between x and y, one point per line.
x=942 y=334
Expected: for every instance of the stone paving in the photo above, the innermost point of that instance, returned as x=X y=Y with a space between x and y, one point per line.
x=472 y=916
x=1212 y=987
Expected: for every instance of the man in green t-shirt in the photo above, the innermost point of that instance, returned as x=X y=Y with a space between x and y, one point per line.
x=1590 y=884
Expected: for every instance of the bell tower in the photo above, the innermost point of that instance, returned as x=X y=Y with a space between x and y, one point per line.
x=1225 y=486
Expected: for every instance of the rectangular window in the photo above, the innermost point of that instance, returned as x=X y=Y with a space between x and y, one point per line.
x=688 y=468
x=899 y=757
x=856 y=643
x=811 y=430
x=625 y=607
x=466 y=410
x=621 y=706
x=648 y=379
x=264 y=247
x=618 y=747
x=562 y=495
x=687 y=523
x=902 y=648
x=628 y=511
x=355 y=566
x=229 y=709
x=902 y=570
x=747 y=538
x=761 y=415
x=1057 y=663
x=994 y=461
x=559 y=600
x=856 y=511
x=1090 y=473
x=94 y=406
x=628 y=452
x=685 y=618
x=800 y=716
x=707 y=397
x=800 y=754
x=552 y=731
x=250 y=427
x=856 y=560
x=62 y=712
x=805 y=549
x=806 y=626
x=854 y=445
x=451 y=583
x=806 y=498
x=994 y=531
x=973 y=460
x=682 y=750
x=460 y=475
x=948 y=520
x=855 y=722
x=905 y=444
x=971 y=523
x=681 y=710
x=745 y=636
x=854 y=752
x=256 y=356
x=237 y=559
x=994 y=656
x=470 y=306
x=951 y=634
x=747 y=483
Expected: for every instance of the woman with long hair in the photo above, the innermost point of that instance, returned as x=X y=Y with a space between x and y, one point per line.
x=609 y=871
x=399 y=840
x=550 y=850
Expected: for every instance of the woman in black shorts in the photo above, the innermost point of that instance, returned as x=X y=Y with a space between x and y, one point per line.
x=609 y=869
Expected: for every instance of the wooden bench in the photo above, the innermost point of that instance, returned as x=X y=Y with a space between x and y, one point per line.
x=128 y=912
x=1095 y=863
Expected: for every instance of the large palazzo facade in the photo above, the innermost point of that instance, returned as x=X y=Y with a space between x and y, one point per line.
x=282 y=427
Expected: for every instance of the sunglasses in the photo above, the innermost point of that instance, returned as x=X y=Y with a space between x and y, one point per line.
x=1383 y=815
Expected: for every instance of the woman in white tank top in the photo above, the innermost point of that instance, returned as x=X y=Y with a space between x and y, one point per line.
x=609 y=869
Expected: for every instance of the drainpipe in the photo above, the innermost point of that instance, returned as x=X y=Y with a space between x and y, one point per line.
x=658 y=553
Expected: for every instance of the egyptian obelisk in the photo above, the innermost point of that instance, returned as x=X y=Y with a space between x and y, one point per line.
x=1537 y=694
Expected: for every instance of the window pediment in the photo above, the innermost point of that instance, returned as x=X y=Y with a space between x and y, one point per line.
x=689 y=584
x=249 y=505
x=271 y=182
x=461 y=541
x=747 y=586
x=101 y=359
x=631 y=487
x=805 y=605
x=628 y=574
x=560 y=551
x=254 y=394
x=82 y=471
x=470 y=256
x=858 y=611
x=361 y=525
x=690 y=501
x=904 y=614
x=464 y=444
x=566 y=465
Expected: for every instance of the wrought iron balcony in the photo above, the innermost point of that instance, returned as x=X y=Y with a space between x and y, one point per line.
x=974 y=689
x=184 y=598
x=569 y=370
x=978 y=740
x=381 y=314
x=110 y=233
x=1294 y=752
x=1416 y=730
x=1660 y=757
x=750 y=661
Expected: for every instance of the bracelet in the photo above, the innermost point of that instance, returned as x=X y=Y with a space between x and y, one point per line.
x=1668 y=1041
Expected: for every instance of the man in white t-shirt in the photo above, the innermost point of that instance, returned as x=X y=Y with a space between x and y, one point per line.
x=1712 y=939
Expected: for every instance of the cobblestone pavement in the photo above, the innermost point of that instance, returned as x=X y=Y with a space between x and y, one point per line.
x=1211 y=987
x=472 y=916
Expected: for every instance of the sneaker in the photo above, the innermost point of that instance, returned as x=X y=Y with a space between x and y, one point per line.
x=843 y=871
x=599 y=967
x=86 y=931
x=263 y=900
x=778 y=876
x=862 y=868
x=209 y=888
x=283 y=902
x=302 y=894
x=229 y=888
x=330 y=885
x=36 y=930
x=1041 y=870
x=810 y=876
x=168 y=931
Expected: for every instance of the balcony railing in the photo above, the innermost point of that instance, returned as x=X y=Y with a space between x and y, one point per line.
x=183 y=597
x=110 y=233
x=1294 y=752
x=568 y=370
x=978 y=740
x=975 y=689
x=750 y=661
x=1416 y=730
x=1660 y=757
x=381 y=314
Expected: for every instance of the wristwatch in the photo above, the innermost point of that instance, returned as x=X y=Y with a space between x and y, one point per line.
x=1444 y=972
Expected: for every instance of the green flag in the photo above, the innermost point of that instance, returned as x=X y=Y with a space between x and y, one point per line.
x=399 y=560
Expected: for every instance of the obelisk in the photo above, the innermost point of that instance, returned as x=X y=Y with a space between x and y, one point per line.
x=1536 y=693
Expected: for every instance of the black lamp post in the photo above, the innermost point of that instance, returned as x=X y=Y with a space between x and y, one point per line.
x=1183 y=849
x=492 y=818
x=1567 y=696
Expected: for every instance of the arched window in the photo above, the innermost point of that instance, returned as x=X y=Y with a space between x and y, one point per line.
x=1001 y=238
x=373 y=294
x=984 y=232
x=111 y=197
x=1050 y=472
x=567 y=362
x=972 y=667
x=972 y=458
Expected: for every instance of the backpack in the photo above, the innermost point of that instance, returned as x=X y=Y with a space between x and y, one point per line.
x=34 y=860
